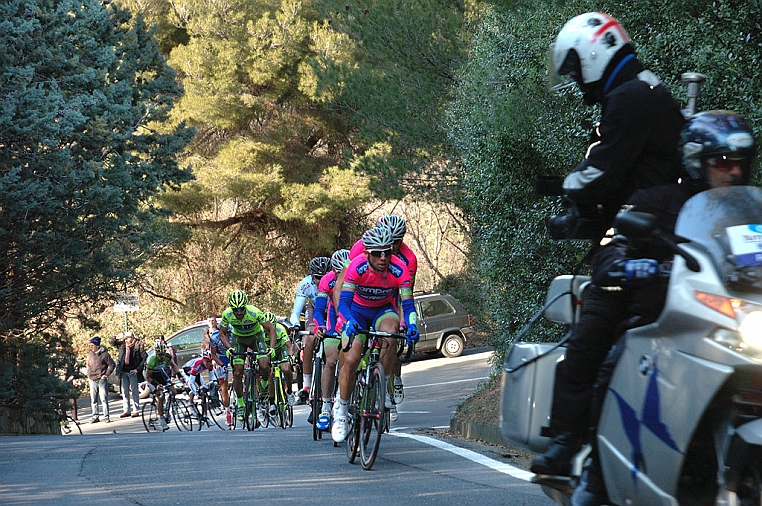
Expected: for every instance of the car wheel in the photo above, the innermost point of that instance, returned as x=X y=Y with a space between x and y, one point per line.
x=452 y=346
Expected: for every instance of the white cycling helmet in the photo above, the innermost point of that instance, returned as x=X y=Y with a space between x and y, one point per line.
x=396 y=224
x=340 y=259
x=377 y=238
x=584 y=47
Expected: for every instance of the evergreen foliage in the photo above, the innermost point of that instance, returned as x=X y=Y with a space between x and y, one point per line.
x=83 y=152
x=507 y=128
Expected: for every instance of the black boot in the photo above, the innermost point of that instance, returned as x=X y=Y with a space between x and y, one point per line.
x=556 y=461
x=591 y=490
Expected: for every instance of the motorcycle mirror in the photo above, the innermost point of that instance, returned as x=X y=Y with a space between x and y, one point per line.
x=635 y=225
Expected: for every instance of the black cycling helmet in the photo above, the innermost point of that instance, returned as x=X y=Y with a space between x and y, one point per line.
x=712 y=136
x=319 y=266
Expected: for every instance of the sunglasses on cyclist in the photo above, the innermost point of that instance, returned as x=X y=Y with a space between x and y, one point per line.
x=726 y=164
x=378 y=253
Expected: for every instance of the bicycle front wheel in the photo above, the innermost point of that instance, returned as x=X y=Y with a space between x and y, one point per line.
x=250 y=390
x=150 y=415
x=280 y=402
x=316 y=395
x=214 y=413
x=182 y=414
x=372 y=419
x=353 y=419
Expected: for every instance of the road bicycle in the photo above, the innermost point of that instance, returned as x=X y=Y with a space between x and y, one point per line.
x=367 y=413
x=68 y=424
x=209 y=406
x=255 y=397
x=284 y=414
x=297 y=346
x=316 y=389
x=175 y=408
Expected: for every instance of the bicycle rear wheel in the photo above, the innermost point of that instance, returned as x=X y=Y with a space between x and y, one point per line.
x=279 y=420
x=250 y=390
x=150 y=415
x=372 y=420
x=182 y=414
x=353 y=419
x=316 y=397
x=70 y=426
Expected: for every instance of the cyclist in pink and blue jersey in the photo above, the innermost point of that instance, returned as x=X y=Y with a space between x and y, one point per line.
x=398 y=227
x=372 y=283
x=324 y=318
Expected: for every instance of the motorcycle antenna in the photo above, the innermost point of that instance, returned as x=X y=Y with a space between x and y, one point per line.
x=693 y=80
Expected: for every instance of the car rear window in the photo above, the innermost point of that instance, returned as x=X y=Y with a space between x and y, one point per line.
x=436 y=307
x=189 y=339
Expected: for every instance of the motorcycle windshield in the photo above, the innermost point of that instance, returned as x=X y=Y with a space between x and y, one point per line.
x=728 y=223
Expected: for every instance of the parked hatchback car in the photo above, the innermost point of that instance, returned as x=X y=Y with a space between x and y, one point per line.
x=444 y=324
x=187 y=341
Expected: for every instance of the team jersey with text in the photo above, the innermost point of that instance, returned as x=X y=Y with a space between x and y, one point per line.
x=249 y=325
x=373 y=288
x=405 y=254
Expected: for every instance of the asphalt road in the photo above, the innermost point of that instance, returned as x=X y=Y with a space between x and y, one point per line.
x=120 y=464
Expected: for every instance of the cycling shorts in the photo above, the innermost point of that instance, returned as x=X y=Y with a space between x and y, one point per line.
x=370 y=317
x=159 y=376
x=241 y=344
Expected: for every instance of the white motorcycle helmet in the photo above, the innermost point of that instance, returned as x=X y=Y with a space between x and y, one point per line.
x=583 y=49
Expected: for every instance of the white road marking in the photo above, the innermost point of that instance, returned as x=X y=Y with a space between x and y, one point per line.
x=470 y=455
x=446 y=383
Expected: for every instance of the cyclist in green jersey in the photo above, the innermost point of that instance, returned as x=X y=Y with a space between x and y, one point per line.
x=248 y=328
x=159 y=368
x=281 y=351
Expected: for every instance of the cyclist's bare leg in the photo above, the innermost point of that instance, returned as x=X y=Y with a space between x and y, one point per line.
x=224 y=391
x=159 y=401
x=264 y=370
x=331 y=357
x=349 y=362
x=238 y=380
x=288 y=376
x=389 y=350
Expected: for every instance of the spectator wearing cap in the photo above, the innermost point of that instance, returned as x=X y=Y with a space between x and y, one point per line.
x=130 y=362
x=99 y=366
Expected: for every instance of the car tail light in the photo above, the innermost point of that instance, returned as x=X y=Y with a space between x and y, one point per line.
x=470 y=321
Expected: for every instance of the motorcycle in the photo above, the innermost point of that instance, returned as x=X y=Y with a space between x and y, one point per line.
x=681 y=421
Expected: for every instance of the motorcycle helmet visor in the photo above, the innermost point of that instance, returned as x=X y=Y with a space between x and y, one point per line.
x=564 y=74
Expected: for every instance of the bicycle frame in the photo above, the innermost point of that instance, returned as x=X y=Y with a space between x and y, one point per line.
x=370 y=394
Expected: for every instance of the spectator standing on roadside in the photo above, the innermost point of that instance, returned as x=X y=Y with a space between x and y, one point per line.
x=99 y=366
x=130 y=362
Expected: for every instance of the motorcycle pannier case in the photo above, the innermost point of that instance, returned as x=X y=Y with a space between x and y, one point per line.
x=528 y=393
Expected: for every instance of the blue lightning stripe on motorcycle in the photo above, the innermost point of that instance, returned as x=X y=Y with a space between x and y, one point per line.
x=631 y=426
x=650 y=419
x=652 y=412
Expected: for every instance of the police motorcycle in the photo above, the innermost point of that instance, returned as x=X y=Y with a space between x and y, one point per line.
x=681 y=421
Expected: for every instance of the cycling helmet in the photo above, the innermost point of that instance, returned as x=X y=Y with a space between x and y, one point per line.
x=340 y=259
x=377 y=238
x=237 y=299
x=206 y=354
x=584 y=47
x=712 y=135
x=270 y=317
x=396 y=224
x=159 y=348
x=319 y=266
